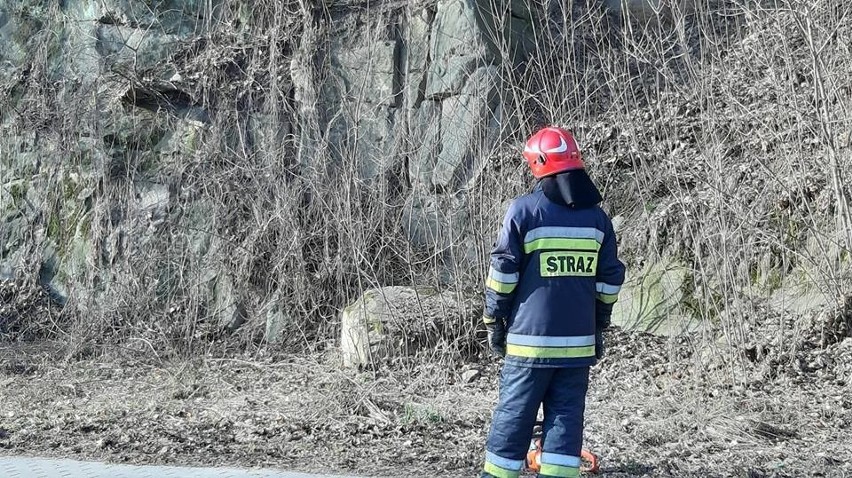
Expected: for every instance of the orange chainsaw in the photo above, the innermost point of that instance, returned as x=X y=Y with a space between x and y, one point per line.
x=533 y=461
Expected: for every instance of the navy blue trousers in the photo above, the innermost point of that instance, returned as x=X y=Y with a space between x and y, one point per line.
x=562 y=391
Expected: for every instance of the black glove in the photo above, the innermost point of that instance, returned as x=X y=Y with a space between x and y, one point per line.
x=599 y=344
x=496 y=336
x=603 y=317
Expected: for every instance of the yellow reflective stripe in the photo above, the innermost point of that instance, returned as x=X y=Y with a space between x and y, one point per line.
x=550 y=352
x=561 y=243
x=488 y=320
x=498 y=472
x=500 y=287
x=560 y=471
x=608 y=298
x=503 y=276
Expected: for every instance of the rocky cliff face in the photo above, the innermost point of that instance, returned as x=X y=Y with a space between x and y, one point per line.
x=115 y=115
x=93 y=114
x=185 y=167
x=415 y=93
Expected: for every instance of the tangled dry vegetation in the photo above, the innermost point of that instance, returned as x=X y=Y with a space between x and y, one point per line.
x=716 y=135
x=721 y=138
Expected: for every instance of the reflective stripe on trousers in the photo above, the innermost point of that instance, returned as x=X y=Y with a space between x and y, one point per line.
x=522 y=390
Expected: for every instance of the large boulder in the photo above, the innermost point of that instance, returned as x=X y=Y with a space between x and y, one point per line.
x=392 y=322
x=656 y=299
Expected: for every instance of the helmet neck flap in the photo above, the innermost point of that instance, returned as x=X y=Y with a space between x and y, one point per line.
x=573 y=189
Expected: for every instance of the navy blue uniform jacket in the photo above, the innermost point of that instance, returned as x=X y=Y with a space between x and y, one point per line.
x=554 y=276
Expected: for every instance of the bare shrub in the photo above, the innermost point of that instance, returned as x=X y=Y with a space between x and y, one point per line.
x=716 y=131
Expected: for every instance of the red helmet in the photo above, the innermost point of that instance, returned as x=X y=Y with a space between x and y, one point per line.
x=552 y=150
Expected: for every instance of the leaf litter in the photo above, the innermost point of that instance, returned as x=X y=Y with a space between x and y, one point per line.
x=657 y=407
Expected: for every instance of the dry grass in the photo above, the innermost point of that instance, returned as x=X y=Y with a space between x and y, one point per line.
x=647 y=413
x=717 y=133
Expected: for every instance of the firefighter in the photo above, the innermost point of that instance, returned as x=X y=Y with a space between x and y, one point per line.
x=554 y=277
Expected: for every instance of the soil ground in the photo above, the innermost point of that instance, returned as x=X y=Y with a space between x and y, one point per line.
x=656 y=407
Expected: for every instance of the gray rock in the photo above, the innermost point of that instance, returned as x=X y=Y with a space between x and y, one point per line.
x=153 y=199
x=269 y=132
x=124 y=131
x=417 y=85
x=226 y=306
x=415 y=56
x=457 y=47
x=178 y=138
x=130 y=36
x=470 y=376
x=276 y=320
x=136 y=49
x=174 y=17
x=798 y=298
x=49 y=276
x=205 y=259
x=469 y=128
x=198 y=220
x=368 y=72
x=618 y=223
x=360 y=105
x=424 y=144
x=310 y=144
x=436 y=222
x=440 y=66
x=394 y=322
x=12 y=52
x=376 y=146
x=520 y=31
x=363 y=140
x=653 y=299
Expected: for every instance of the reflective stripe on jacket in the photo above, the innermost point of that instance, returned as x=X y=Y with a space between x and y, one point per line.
x=554 y=273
